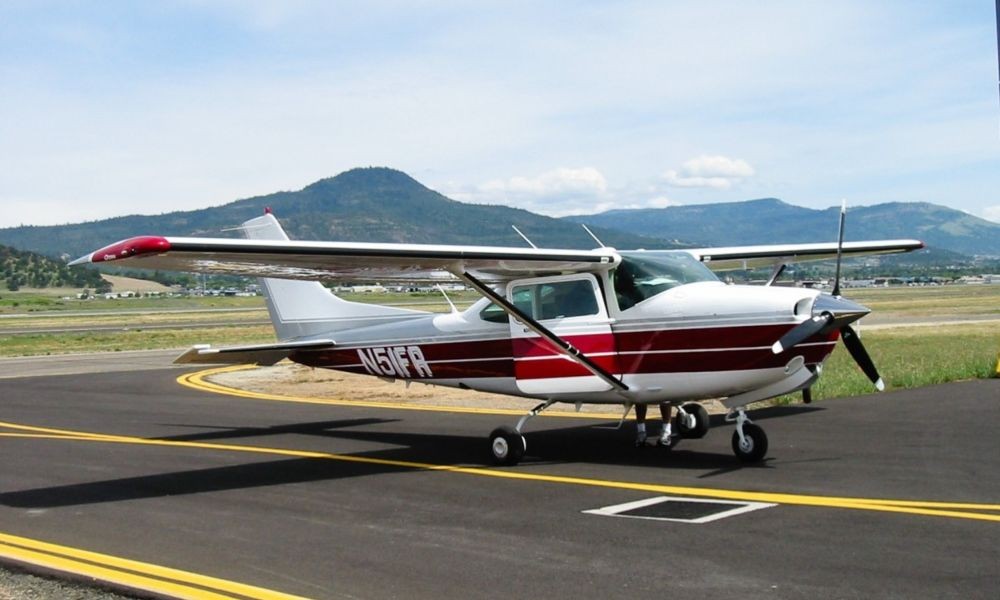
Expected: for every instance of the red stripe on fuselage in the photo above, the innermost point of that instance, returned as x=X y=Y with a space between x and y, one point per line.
x=645 y=352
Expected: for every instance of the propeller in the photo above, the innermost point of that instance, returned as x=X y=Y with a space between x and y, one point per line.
x=831 y=311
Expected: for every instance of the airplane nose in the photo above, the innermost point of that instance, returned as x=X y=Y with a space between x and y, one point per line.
x=843 y=311
x=828 y=313
x=831 y=312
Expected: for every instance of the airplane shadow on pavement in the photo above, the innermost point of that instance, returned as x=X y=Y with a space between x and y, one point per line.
x=594 y=443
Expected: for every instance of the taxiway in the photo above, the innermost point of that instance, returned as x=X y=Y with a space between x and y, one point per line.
x=891 y=496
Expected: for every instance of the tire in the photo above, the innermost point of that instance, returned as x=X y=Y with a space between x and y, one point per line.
x=756 y=446
x=701 y=422
x=506 y=446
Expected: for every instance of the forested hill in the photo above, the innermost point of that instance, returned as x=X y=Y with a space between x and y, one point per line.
x=363 y=205
x=26 y=269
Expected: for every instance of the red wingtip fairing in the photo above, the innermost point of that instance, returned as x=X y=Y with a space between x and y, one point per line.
x=132 y=247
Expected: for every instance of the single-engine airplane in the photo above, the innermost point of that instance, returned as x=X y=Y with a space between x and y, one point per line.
x=597 y=326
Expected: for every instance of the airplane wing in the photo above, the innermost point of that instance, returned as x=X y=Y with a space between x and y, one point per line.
x=749 y=257
x=345 y=261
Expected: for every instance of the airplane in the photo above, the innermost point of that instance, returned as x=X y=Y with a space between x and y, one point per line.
x=575 y=326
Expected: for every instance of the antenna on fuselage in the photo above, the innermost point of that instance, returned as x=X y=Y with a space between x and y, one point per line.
x=600 y=244
x=523 y=237
x=447 y=299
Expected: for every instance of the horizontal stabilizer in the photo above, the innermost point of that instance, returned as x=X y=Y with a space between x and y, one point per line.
x=259 y=354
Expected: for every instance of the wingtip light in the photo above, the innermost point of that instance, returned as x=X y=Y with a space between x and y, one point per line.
x=126 y=249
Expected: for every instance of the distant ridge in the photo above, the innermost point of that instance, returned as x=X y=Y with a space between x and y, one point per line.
x=378 y=204
x=769 y=220
x=372 y=204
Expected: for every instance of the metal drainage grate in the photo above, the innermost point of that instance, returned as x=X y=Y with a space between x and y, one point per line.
x=681 y=510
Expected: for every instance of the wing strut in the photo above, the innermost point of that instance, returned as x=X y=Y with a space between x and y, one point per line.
x=776 y=273
x=557 y=342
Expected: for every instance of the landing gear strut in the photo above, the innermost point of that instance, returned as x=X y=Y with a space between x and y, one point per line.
x=749 y=440
x=506 y=442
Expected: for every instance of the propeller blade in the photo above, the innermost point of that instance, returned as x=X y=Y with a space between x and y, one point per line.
x=840 y=248
x=802 y=331
x=857 y=350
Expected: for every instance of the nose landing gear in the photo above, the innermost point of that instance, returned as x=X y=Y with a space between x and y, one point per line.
x=749 y=440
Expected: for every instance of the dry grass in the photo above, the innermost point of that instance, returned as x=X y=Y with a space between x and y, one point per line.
x=942 y=301
x=130 y=284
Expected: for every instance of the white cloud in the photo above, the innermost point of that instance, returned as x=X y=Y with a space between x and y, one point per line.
x=718 y=172
x=992 y=213
x=586 y=180
x=560 y=192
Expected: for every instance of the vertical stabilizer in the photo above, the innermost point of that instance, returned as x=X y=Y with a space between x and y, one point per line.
x=304 y=309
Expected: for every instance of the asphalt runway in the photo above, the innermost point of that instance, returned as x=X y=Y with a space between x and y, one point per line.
x=889 y=496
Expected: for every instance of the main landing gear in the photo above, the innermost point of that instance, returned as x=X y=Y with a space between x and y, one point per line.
x=692 y=421
x=749 y=440
x=507 y=443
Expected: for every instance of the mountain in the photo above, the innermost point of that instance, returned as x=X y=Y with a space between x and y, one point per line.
x=770 y=221
x=27 y=269
x=365 y=205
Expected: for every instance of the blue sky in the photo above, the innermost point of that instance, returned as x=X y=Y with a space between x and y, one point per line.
x=115 y=108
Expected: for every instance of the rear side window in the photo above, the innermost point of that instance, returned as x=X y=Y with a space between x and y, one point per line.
x=494 y=314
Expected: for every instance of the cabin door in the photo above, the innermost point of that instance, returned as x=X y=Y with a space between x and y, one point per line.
x=573 y=308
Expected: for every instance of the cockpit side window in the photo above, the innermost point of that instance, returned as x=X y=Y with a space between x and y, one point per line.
x=557 y=299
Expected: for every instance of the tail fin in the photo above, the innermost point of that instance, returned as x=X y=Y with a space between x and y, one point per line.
x=303 y=309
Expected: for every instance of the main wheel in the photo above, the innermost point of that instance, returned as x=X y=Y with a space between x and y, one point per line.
x=754 y=445
x=701 y=422
x=507 y=445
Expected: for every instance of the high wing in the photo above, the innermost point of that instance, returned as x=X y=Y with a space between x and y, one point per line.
x=346 y=261
x=749 y=257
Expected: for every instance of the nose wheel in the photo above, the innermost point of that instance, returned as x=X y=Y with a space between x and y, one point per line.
x=749 y=440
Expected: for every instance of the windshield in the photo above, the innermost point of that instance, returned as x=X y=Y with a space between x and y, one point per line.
x=643 y=275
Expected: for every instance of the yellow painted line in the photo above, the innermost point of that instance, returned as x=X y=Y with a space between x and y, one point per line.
x=938 y=509
x=199 y=382
x=129 y=573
